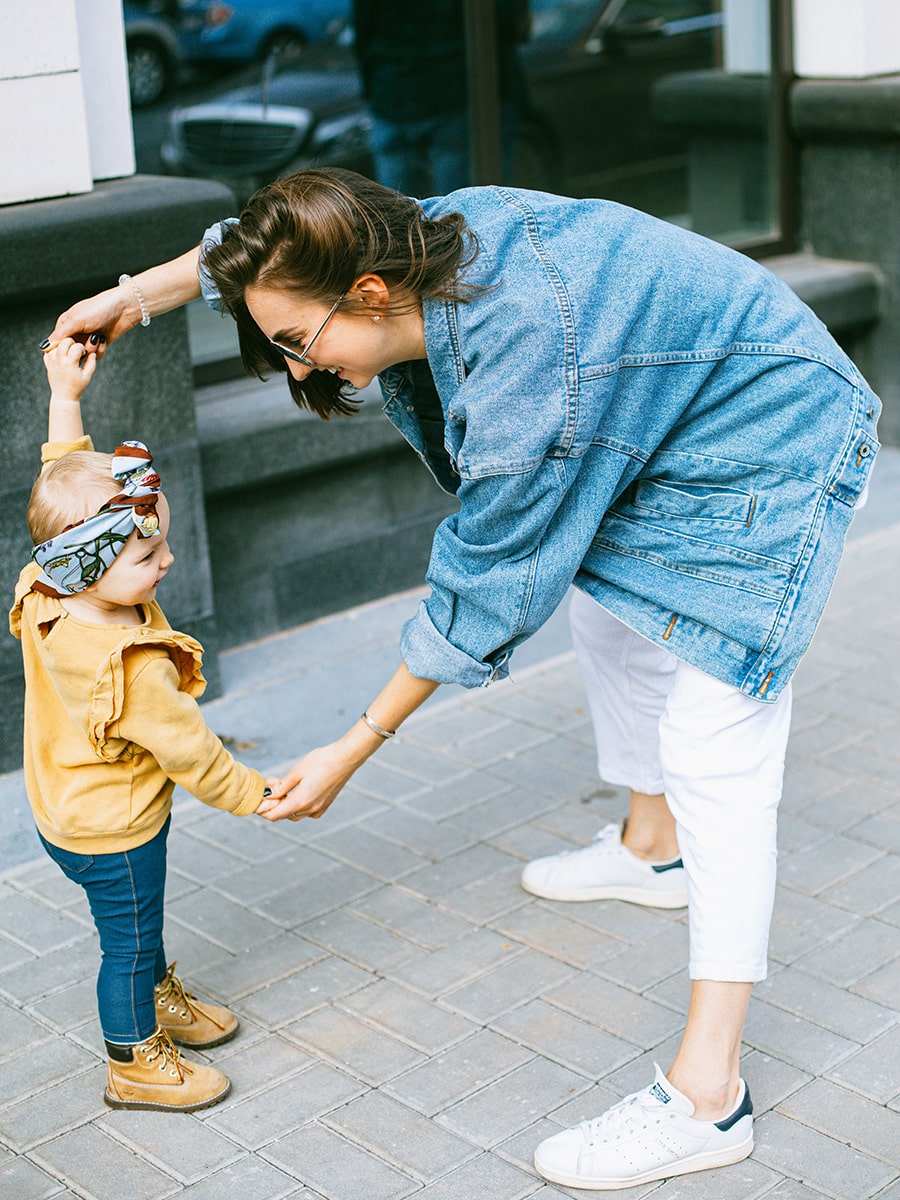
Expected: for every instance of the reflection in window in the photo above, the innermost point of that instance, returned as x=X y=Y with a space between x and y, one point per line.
x=661 y=104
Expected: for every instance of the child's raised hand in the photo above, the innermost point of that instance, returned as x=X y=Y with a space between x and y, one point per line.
x=70 y=368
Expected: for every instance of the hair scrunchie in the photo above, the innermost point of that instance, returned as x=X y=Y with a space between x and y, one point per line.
x=77 y=557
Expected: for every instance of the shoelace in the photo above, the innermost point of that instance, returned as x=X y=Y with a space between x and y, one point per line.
x=630 y=1113
x=172 y=993
x=159 y=1045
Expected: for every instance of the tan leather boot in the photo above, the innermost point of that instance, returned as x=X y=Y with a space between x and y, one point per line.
x=158 y=1077
x=186 y=1020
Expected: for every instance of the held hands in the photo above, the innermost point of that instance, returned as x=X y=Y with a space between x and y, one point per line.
x=110 y=314
x=70 y=368
x=310 y=786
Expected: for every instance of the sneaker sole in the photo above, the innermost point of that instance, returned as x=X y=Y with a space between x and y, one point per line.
x=631 y=895
x=686 y=1166
x=114 y=1102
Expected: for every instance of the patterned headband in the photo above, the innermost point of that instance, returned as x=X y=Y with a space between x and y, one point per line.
x=77 y=557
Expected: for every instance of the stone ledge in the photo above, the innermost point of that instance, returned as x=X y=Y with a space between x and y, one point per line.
x=844 y=295
x=73 y=244
x=865 y=108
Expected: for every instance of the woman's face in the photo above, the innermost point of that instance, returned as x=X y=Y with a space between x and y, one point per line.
x=355 y=345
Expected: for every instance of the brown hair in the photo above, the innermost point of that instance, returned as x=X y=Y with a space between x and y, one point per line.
x=315 y=233
x=70 y=489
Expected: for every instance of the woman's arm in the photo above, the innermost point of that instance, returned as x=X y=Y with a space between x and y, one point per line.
x=118 y=309
x=312 y=784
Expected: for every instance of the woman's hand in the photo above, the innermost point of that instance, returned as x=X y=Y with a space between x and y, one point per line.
x=312 y=784
x=107 y=315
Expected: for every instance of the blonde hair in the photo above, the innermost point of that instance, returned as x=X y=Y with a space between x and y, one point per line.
x=67 y=491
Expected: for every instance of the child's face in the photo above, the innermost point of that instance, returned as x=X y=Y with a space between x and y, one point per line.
x=137 y=571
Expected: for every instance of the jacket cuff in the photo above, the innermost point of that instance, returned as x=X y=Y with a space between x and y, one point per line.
x=428 y=655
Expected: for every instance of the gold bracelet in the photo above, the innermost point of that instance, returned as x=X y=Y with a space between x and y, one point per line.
x=376 y=728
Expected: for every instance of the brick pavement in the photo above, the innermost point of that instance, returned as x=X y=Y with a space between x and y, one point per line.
x=413 y=1023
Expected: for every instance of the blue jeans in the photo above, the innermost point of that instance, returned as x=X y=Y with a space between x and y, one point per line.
x=125 y=892
x=431 y=157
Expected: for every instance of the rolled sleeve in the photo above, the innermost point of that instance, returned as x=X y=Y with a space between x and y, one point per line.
x=498 y=570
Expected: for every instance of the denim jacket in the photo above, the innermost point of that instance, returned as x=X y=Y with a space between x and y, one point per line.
x=644 y=413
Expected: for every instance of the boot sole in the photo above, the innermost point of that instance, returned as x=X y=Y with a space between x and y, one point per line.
x=179 y=1041
x=640 y=896
x=686 y=1166
x=115 y=1102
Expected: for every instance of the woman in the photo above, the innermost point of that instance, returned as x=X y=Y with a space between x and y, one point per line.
x=620 y=404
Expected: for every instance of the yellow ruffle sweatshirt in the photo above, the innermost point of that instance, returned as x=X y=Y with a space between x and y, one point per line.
x=112 y=724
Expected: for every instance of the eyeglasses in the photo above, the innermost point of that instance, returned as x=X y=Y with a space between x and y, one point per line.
x=302 y=356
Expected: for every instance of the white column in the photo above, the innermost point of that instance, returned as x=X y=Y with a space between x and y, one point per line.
x=65 y=117
x=846 y=39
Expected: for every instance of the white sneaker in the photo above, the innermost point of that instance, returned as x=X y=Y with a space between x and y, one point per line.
x=650 y=1135
x=607 y=870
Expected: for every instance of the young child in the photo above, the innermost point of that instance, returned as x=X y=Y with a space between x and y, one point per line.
x=111 y=724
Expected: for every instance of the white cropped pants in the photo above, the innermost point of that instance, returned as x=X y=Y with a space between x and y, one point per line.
x=665 y=727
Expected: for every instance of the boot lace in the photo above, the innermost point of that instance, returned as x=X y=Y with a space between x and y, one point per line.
x=159 y=1048
x=172 y=994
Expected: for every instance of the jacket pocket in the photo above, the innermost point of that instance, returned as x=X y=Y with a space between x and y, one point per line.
x=694 y=501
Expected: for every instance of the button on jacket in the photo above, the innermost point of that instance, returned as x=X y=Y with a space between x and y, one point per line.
x=643 y=412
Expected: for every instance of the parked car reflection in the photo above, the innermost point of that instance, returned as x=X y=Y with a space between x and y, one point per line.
x=587 y=128
x=243 y=30
x=152 y=50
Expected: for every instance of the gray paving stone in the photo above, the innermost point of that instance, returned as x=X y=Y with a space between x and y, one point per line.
x=847 y=1117
x=249 y=838
x=874 y=1070
x=374 y=855
x=36 y=926
x=19 y=1032
x=507 y=985
x=649 y=963
x=558 y=1035
x=553 y=932
x=54 y=1109
x=747 y=1180
x=472 y=865
x=197 y=860
x=303 y=992
x=420 y=921
x=457 y=1072
x=259 y=1064
x=432 y=839
x=869 y=890
x=485 y=1177
x=403 y=1137
x=882 y=985
x=800 y=924
x=512 y=1103
x=625 y=1014
x=881 y=831
x=41 y=1066
x=487 y=898
x=852 y=955
x=628 y=923
x=811 y=1157
x=400 y=1011
x=231 y=926
x=22 y=1180
x=69 y=1007
x=825 y=1004
x=770 y=1080
x=437 y=972
x=249 y=970
x=500 y=813
x=361 y=1050
x=13 y=955
x=790 y=1189
x=251 y=1178
x=358 y=941
x=339 y=1168
x=825 y=864
x=291 y=868
x=271 y=1114
x=186 y=1150
x=445 y=799
x=311 y=897
x=794 y=1039
x=102 y=1168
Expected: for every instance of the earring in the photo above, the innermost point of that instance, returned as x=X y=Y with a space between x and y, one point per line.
x=376 y=318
